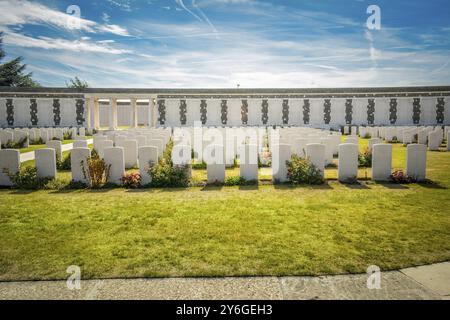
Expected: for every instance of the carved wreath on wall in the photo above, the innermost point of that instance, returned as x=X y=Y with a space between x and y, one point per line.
x=440 y=110
x=327 y=111
x=224 y=112
x=371 y=111
x=393 y=111
x=183 y=111
x=265 y=111
x=244 y=112
x=33 y=112
x=10 y=112
x=162 y=112
x=348 y=111
x=416 y=111
x=306 y=111
x=285 y=111
x=80 y=112
x=56 y=112
x=203 y=106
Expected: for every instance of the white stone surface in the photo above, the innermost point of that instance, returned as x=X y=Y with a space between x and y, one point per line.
x=9 y=164
x=374 y=141
x=416 y=161
x=45 y=162
x=80 y=144
x=280 y=154
x=448 y=140
x=381 y=162
x=130 y=148
x=79 y=167
x=57 y=145
x=148 y=155
x=348 y=162
x=114 y=157
x=352 y=139
x=315 y=153
x=102 y=145
x=299 y=147
x=434 y=140
x=248 y=165
x=6 y=136
x=328 y=143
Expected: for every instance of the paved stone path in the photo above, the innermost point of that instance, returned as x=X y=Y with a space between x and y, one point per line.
x=427 y=282
x=65 y=147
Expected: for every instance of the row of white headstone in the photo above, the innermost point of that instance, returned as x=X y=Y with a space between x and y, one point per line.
x=34 y=134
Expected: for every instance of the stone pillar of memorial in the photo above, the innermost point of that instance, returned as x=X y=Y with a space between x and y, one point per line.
x=89 y=106
x=448 y=140
x=113 y=114
x=96 y=114
x=381 y=161
x=416 y=161
x=134 y=113
x=348 y=162
x=45 y=163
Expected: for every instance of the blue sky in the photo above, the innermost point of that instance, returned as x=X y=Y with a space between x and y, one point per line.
x=222 y=43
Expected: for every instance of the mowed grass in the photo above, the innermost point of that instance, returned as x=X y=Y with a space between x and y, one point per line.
x=228 y=231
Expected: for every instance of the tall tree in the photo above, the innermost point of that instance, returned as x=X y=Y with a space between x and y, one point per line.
x=12 y=73
x=77 y=83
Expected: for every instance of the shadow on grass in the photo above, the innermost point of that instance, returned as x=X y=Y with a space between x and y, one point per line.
x=212 y=187
x=429 y=184
x=390 y=185
x=287 y=186
x=356 y=185
x=250 y=187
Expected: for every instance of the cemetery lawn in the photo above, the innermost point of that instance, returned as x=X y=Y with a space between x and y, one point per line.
x=228 y=231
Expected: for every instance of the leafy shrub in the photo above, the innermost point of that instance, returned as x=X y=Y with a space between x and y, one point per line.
x=265 y=159
x=27 y=179
x=399 y=176
x=131 y=180
x=165 y=174
x=303 y=171
x=365 y=158
x=95 y=171
x=367 y=136
x=238 y=181
x=15 y=145
x=65 y=163
x=199 y=166
x=37 y=141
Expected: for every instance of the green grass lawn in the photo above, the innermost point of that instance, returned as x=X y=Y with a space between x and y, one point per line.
x=225 y=231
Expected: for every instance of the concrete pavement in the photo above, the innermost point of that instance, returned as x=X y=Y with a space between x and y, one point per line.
x=427 y=282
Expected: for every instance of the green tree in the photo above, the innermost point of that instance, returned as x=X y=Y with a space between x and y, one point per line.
x=12 y=73
x=77 y=83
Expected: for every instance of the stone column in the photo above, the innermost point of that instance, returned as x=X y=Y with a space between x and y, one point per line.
x=96 y=114
x=152 y=113
x=134 y=113
x=113 y=114
x=89 y=104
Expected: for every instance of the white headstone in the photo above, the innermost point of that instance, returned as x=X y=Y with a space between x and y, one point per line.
x=148 y=155
x=97 y=139
x=434 y=140
x=79 y=167
x=348 y=162
x=248 y=165
x=280 y=154
x=352 y=139
x=374 y=141
x=57 y=145
x=130 y=149
x=80 y=144
x=6 y=136
x=299 y=147
x=215 y=164
x=9 y=165
x=45 y=162
x=82 y=132
x=328 y=143
x=381 y=162
x=422 y=136
x=315 y=153
x=59 y=134
x=102 y=145
x=114 y=157
x=416 y=161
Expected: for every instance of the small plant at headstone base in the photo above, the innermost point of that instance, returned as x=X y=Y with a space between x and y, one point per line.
x=165 y=174
x=265 y=159
x=131 y=180
x=15 y=145
x=238 y=181
x=199 y=166
x=302 y=171
x=67 y=136
x=367 y=136
x=65 y=163
x=365 y=158
x=27 y=179
x=95 y=171
x=399 y=176
x=37 y=141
